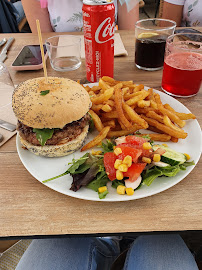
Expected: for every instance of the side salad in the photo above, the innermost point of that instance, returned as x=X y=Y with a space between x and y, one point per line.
x=126 y=163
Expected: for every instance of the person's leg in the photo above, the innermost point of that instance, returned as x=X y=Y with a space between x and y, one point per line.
x=69 y=253
x=159 y=252
x=20 y=14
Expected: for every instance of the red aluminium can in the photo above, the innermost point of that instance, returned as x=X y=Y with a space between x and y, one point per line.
x=98 y=25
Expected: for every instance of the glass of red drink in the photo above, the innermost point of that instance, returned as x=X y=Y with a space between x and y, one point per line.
x=151 y=35
x=182 y=71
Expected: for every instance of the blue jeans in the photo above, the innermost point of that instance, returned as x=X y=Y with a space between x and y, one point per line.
x=155 y=252
x=19 y=14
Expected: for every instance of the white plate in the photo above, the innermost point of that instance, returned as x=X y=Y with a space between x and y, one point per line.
x=43 y=168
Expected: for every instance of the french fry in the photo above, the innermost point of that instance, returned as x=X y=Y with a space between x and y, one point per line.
x=126 y=107
x=110 y=103
x=134 y=100
x=118 y=103
x=95 y=88
x=182 y=116
x=151 y=94
x=134 y=117
x=154 y=129
x=110 y=115
x=164 y=128
x=171 y=115
x=157 y=137
x=106 y=108
x=98 y=139
x=103 y=97
x=119 y=133
x=154 y=104
x=130 y=96
x=168 y=123
x=143 y=103
x=173 y=139
x=103 y=85
x=108 y=79
x=96 y=108
x=157 y=98
x=154 y=115
x=97 y=121
x=143 y=110
x=110 y=123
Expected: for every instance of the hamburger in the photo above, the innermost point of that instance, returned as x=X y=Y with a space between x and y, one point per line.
x=53 y=118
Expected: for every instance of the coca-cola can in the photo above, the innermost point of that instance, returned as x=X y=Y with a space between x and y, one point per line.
x=98 y=25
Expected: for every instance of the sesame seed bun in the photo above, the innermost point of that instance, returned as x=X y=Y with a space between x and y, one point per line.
x=65 y=102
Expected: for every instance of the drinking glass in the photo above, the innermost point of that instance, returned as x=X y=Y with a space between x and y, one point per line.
x=182 y=72
x=64 y=52
x=151 y=35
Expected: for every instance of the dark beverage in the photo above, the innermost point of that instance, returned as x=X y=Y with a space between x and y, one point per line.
x=149 y=51
x=182 y=74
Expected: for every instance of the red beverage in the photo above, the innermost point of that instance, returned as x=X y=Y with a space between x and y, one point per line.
x=98 y=25
x=182 y=73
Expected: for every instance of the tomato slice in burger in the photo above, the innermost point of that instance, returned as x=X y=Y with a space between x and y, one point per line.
x=129 y=151
x=109 y=160
x=134 y=171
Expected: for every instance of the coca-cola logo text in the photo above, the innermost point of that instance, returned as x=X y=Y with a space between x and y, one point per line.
x=105 y=31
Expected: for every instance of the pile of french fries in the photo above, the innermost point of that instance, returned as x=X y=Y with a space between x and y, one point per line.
x=120 y=108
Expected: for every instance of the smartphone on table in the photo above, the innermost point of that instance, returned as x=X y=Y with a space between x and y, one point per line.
x=29 y=58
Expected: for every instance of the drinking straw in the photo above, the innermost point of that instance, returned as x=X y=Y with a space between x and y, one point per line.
x=42 y=50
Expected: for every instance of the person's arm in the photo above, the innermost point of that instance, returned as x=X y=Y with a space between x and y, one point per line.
x=172 y=12
x=33 y=11
x=127 y=20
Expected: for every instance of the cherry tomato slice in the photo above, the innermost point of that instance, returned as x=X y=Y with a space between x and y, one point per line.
x=109 y=160
x=134 y=171
x=131 y=139
x=129 y=151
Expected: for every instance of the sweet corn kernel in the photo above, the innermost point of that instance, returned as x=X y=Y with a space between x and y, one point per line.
x=128 y=161
x=146 y=146
x=146 y=160
x=164 y=144
x=117 y=163
x=129 y=191
x=123 y=168
x=156 y=158
x=102 y=189
x=95 y=153
x=121 y=190
x=119 y=175
x=187 y=156
x=114 y=147
x=117 y=151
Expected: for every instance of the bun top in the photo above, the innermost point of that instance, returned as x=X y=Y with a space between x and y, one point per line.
x=54 y=104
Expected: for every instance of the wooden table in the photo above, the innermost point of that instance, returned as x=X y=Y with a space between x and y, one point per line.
x=28 y=208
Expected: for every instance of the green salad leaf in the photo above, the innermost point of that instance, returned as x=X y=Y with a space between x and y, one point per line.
x=108 y=146
x=103 y=194
x=100 y=180
x=151 y=174
x=43 y=135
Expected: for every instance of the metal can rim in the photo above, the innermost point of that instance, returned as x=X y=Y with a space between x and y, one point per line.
x=96 y=3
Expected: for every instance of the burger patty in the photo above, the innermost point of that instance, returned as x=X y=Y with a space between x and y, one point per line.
x=69 y=132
